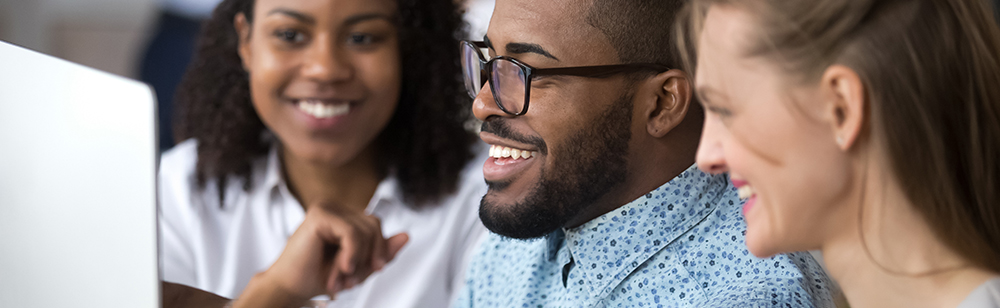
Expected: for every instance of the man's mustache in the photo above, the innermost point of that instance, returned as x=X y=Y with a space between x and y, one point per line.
x=499 y=127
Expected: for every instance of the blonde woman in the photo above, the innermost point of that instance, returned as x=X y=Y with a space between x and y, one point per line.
x=869 y=130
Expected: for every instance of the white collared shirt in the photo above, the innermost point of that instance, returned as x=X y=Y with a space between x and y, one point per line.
x=218 y=248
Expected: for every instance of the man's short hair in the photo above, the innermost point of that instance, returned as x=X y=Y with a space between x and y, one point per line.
x=639 y=30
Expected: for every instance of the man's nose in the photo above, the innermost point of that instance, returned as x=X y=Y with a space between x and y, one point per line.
x=484 y=106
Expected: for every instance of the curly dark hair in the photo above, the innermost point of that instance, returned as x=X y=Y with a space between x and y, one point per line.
x=425 y=144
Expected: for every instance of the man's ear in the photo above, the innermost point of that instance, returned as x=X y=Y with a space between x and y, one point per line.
x=846 y=106
x=243 y=31
x=667 y=99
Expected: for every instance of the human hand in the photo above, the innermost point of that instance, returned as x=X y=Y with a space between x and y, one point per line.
x=328 y=253
x=174 y=295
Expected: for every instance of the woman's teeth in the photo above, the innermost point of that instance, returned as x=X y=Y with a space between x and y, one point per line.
x=502 y=152
x=745 y=192
x=322 y=111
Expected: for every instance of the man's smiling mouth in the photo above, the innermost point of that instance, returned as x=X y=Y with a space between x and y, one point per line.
x=498 y=151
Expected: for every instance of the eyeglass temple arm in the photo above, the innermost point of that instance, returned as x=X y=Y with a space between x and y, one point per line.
x=600 y=70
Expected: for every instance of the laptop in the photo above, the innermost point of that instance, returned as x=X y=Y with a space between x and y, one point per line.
x=77 y=186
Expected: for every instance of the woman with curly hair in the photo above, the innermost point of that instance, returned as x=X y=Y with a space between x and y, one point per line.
x=309 y=129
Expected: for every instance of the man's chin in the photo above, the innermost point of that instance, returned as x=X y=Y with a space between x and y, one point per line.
x=517 y=220
x=497 y=186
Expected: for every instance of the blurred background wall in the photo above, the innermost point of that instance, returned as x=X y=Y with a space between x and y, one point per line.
x=148 y=40
x=113 y=36
x=109 y=35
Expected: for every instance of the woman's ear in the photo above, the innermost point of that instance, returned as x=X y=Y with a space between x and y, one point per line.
x=668 y=99
x=846 y=104
x=243 y=31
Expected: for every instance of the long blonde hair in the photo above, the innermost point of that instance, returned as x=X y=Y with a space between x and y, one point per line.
x=931 y=69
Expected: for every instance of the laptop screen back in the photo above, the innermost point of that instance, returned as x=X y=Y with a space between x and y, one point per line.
x=77 y=186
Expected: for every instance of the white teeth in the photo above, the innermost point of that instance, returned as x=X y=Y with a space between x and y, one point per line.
x=745 y=192
x=321 y=111
x=497 y=151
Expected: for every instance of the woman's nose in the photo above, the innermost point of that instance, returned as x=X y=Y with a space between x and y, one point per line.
x=710 y=157
x=324 y=63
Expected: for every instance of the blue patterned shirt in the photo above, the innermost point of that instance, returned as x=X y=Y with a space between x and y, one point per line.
x=680 y=245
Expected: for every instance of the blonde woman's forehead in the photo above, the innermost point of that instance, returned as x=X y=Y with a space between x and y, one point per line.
x=720 y=47
x=728 y=28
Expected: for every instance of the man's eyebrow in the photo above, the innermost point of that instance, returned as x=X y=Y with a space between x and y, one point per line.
x=486 y=40
x=521 y=48
x=293 y=14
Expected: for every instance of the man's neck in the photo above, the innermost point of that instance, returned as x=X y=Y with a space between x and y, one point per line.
x=639 y=182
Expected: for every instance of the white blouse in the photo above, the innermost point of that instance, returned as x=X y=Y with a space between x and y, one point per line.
x=987 y=295
x=218 y=248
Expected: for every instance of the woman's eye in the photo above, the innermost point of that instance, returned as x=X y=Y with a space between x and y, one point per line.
x=361 y=39
x=291 y=36
x=721 y=112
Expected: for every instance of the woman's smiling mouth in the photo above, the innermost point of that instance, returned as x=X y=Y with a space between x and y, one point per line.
x=746 y=192
x=322 y=109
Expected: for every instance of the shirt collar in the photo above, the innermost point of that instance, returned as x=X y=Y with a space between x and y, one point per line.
x=387 y=192
x=272 y=174
x=608 y=248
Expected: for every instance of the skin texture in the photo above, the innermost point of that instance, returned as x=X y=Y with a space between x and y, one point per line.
x=568 y=114
x=818 y=173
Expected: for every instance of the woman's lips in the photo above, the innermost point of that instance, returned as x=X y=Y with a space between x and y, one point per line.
x=325 y=115
x=749 y=204
x=323 y=110
x=746 y=192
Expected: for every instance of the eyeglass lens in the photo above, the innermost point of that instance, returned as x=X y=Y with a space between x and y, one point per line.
x=471 y=70
x=507 y=79
x=508 y=85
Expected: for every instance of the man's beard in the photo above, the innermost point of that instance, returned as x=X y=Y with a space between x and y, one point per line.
x=593 y=163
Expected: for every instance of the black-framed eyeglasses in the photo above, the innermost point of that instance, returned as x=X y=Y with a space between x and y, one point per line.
x=510 y=79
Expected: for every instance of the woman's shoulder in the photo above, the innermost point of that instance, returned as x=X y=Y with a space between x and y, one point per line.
x=180 y=160
x=178 y=166
x=987 y=295
x=178 y=178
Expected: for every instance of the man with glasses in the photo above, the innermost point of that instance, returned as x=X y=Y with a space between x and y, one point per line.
x=594 y=199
